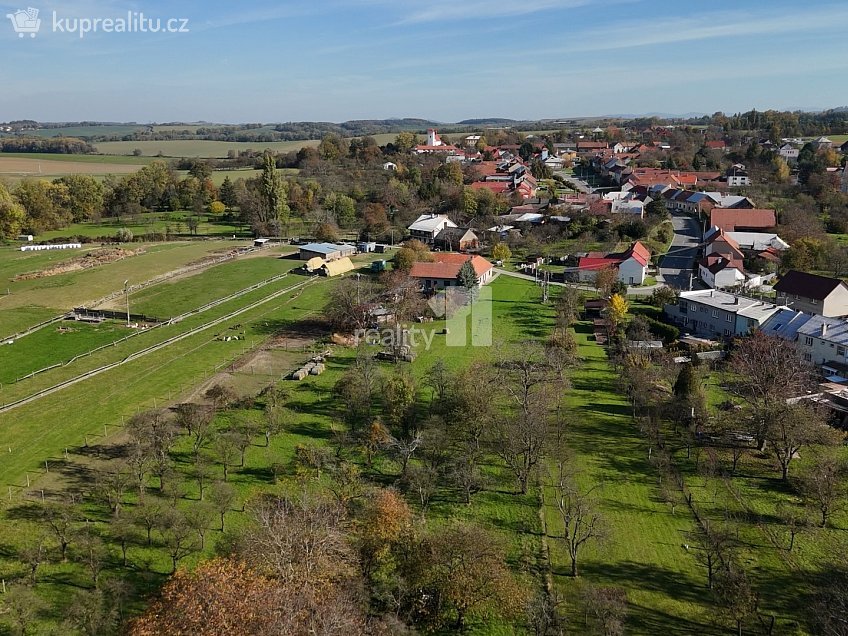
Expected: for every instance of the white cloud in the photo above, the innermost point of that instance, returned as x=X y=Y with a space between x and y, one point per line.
x=653 y=32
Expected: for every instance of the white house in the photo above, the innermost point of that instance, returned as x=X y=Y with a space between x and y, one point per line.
x=389 y=166
x=737 y=176
x=632 y=265
x=719 y=273
x=427 y=226
x=789 y=152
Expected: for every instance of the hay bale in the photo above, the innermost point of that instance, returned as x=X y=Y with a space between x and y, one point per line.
x=318 y=369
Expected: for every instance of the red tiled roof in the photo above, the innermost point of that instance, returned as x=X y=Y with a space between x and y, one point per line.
x=595 y=264
x=640 y=253
x=447 y=266
x=716 y=145
x=728 y=219
x=498 y=187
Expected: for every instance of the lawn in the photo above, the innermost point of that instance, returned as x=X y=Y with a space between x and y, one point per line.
x=643 y=552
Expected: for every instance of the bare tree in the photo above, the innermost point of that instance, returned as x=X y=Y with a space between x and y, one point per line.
x=221 y=497
x=111 y=486
x=795 y=427
x=147 y=514
x=60 y=517
x=795 y=520
x=607 y=607
x=520 y=436
x=404 y=449
x=178 y=537
x=581 y=520
x=34 y=553
x=221 y=396
x=226 y=447
x=199 y=518
x=713 y=545
x=735 y=596
x=202 y=472
x=768 y=372
x=823 y=486
x=422 y=481
x=91 y=551
x=123 y=532
x=301 y=541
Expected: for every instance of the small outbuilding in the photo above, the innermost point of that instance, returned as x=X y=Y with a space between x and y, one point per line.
x=313 y=264
x=326 y=251
x=337 y=267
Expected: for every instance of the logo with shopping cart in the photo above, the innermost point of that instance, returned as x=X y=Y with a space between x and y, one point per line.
x=25 y=22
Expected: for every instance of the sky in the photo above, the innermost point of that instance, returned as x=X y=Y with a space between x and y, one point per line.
x=443 y=60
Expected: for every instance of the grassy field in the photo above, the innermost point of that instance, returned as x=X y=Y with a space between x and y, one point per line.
x=16 y=168
x=196 y=148
x=174 y=298
x=62 y=341
x=85 y=408
x=24 y=300
x=643 y=551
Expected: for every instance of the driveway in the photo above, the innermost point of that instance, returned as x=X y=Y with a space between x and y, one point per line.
x=677 y=265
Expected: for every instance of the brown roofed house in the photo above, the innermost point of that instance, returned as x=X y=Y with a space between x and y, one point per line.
x=743 y=220
x=454 y=239
x=813 y=294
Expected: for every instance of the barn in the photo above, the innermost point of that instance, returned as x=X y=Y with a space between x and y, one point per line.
x=327 y=251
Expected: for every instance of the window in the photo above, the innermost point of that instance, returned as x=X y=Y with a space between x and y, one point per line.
x=840 y=351
x=814 y=301
x=704 y=310
x=808 y=357
x=727 y=332
x=693 y=307
x=808 y=341
x=728 y=317
x=715 y=313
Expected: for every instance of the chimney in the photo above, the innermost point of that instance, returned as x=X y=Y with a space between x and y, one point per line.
x=824 y=330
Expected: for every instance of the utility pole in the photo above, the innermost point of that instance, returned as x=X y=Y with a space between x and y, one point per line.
x=127 y=294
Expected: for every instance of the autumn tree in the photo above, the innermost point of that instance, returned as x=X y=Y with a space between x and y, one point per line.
x=12 y=215
x=605 y=279
x=464 y=569
x=501 y=252
x=617 y=311
x=385 y=520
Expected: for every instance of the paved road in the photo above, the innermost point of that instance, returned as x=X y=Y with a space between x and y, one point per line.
x=677 y=264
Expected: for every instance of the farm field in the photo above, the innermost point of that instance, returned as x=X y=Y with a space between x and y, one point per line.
x=173 y=298
x=138 y=340
x=62 y=341
x=57 y=294
x=17 y=168
x=196 y=148
x=85 y=408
